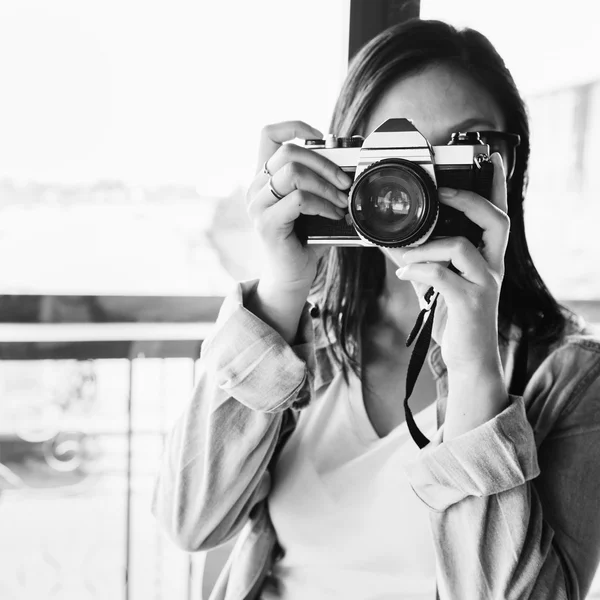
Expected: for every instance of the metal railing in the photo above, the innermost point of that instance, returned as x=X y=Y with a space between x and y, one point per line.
x=113 y=480
x=148 y=369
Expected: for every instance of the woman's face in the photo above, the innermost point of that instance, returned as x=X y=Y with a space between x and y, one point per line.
x=439 y=100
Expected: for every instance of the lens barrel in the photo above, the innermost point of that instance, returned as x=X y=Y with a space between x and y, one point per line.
x=393 y=203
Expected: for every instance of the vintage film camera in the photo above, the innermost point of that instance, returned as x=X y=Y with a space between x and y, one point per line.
x=393 y=201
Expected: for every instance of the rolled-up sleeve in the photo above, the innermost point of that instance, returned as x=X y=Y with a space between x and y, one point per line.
x=515 y=503
x=252 y=362
x=494 y=457
x=215 y=462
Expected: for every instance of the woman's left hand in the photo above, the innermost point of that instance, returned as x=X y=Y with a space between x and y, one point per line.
x=470 y=337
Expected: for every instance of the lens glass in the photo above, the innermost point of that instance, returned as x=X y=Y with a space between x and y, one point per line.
x=389 y=203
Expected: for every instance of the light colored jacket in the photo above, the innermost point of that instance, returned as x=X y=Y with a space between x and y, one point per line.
x=514 y=504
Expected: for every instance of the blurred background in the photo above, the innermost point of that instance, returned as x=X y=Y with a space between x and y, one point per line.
x=128 y=132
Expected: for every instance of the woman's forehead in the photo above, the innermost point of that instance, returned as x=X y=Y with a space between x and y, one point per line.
x=439 y=100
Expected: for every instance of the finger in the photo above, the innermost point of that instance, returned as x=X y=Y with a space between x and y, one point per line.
x=493 y=220
x=272 y=136
x=459 y=250
x=395 y=255
x=443 y=280
x=499 y=195
x=327 y=169
x=280 y=216
x=293 y=153
x=295 y=176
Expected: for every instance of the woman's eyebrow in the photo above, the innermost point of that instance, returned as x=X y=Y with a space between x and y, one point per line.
x=466 y=124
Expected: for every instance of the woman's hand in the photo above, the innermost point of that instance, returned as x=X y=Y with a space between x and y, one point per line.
x=306 y=183
x=309 y=184
x=470 y=337
x=471 y=297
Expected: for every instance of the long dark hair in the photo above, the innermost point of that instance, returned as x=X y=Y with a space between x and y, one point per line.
x=350 y=280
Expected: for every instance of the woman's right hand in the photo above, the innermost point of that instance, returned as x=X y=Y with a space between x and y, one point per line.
x=310 y=184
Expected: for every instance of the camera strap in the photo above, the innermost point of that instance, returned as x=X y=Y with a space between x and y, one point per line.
x=422 y=333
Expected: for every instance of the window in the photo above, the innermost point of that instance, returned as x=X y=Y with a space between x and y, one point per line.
x=129 y=132
x=127 y=126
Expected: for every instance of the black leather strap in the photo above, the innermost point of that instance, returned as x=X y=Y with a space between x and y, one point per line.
x=518 y=381
x=422 y=333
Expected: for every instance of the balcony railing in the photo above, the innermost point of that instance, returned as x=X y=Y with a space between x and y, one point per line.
x=85 y=408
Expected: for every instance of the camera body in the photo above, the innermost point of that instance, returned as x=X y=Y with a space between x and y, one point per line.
x=393 y=201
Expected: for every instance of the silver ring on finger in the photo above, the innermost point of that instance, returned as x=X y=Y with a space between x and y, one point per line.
x=266 y=169
x=273 y=190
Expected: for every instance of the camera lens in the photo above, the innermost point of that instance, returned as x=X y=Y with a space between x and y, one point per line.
x=393 y=203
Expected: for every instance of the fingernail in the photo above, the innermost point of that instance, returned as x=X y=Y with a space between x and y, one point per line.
x=400 y=272
x=339 y=211
x=344 y=179
x=497 y=159
x=343 y=199
x=447 y=192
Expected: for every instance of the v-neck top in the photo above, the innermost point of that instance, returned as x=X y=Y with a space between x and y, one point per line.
x=345 y=515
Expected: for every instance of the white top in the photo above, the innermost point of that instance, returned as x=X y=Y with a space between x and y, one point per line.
x=342 y=507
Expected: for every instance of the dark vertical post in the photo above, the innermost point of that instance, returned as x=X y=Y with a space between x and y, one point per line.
x=129 y=481
x=190 y=577
x=370 y=17
x=190 y=565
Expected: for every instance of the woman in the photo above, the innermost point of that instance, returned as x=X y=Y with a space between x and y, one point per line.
x=296 y=435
